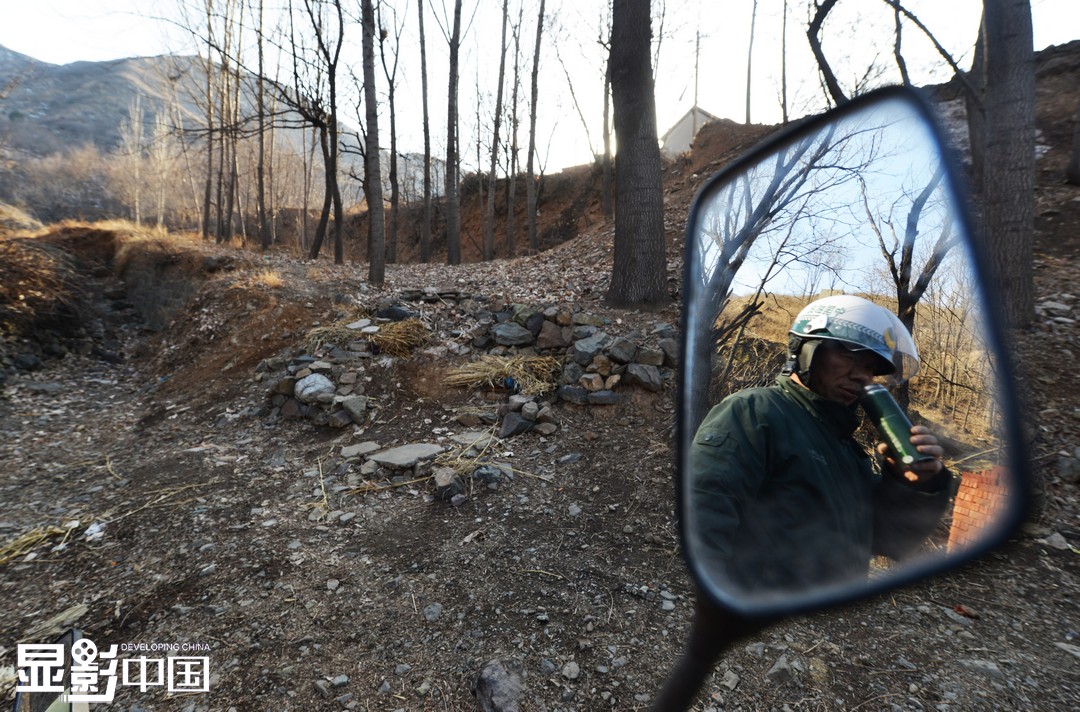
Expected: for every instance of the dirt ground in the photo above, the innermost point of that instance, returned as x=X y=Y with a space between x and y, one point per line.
x=217 y=535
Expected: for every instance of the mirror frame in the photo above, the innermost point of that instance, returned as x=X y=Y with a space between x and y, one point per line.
x=1015 y=458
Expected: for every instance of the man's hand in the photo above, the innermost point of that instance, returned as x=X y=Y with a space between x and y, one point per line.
x=927 y=444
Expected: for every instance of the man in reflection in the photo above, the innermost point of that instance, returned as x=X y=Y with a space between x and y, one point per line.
x=783 y=496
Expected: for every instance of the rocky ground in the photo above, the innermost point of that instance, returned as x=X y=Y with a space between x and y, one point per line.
x=194 y=502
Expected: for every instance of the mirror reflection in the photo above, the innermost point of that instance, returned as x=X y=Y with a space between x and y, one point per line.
x=829 y=280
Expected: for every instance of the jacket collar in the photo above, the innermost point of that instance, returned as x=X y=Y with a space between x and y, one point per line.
x=841 y=418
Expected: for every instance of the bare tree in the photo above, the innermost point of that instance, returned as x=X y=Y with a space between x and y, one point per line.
x=750 y=57
x=640 y=268
x=489 y=231
x=425 y=227
x=530 y=180
x=390 y=71
x=372 y=171
x=512 y=171
x=453 y=200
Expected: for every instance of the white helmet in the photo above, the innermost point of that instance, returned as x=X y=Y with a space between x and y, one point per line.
x=860 y=325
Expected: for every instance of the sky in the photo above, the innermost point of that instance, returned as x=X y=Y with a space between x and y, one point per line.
x=62 y=31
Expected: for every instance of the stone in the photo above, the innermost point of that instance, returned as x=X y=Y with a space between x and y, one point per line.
x=730 y=680
x=670 y=347
x=585 y=319
x=602 y=365
x=781 y=671
x=433 y=612
x=512 y=334
x=499 y=686
x=604 y=397
x=309 y=388
x=651 y=357
x=535 y=322
x=530 y=410
x=550 y=337
x=513 y=424
x=447 y=483
x=572 y=373
x=339 y=419
x=546 y=429
x=622 y=350
x=573 y=394
x=985 y=667
x=585 y=350
x=478 y=439
x=591 y=382
x=406 y=456
x=293 y=409
x=350 y=452
x=356 y=406
x=571 y=670
x=648 y=377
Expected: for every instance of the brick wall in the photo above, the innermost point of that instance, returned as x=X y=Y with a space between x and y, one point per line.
x=979 y=502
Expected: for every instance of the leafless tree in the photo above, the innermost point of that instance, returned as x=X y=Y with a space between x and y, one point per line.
x=372 y=170
x=530 y=175
x=425 y=226
x=390 y=71
x=489 y=231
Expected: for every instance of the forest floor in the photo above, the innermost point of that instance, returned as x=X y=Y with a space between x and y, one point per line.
x=232 y=532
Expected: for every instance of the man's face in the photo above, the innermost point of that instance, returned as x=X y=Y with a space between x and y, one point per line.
x=840 y=375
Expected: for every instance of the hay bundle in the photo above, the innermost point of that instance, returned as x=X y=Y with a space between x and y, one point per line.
x=535 y=375
x=399 y=338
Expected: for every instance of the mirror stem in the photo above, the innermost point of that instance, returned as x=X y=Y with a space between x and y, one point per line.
x=713 y=631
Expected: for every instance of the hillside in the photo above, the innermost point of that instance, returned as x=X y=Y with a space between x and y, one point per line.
x=161 y=489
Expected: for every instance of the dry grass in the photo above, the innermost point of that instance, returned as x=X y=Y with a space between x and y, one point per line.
x=269 y=278
x=38 y=284
x=400 y=338
x=535 y=375
x=335 y=334
x=16 y=220
x=27 y=542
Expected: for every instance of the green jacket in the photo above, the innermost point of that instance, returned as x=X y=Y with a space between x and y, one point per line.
x=783 y=496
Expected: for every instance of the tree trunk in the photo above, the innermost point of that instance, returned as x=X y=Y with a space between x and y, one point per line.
x=489 y=232
x=372 y=169
x=391 y=80
x=260 y=99
x=453 y=202
x=1008 y=181
x=640 y=268
x=425 y=227
x=1072 y=172
x=530 y=181
x=813 y=34
x=606 y=190
x=328 y=197
x=749 y=61
x=511 y=183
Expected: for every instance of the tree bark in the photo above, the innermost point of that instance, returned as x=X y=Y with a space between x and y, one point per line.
x=639 y=271
x=453 y=201
x=1008 y=181
x=489 y=231
x=530 y=180
x=1072 y=172
x=372 y=170
x=425 y=227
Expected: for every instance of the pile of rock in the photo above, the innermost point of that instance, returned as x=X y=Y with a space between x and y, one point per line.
x=327 y=387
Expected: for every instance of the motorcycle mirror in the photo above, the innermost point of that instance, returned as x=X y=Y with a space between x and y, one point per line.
x=863 y=200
